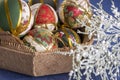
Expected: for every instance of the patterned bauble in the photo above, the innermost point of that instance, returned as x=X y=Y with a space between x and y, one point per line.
x=66 y=37
x=15 y=17
x=40 y=39
x=73 y=12
x=45 y=16
x=27 y=19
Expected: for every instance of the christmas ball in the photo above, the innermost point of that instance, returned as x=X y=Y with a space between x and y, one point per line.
x=40 y=39
x=15 y=17
x=45 y=16
x=66 y=37
x=72 y=13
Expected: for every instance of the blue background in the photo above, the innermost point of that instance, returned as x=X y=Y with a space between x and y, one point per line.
x=8 y=75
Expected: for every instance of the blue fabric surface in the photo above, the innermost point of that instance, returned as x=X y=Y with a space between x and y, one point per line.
x=8 y=75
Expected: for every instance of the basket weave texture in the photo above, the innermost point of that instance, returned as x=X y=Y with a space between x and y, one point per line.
x=17 y=57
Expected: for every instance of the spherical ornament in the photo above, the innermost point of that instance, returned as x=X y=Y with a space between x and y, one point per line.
x=45 y=16
x=66 y=37
x=73 y=12
x=40 y=39
x=15 y=17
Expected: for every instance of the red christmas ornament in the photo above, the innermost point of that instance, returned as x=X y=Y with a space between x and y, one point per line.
x=45 y=15
x=75 y=11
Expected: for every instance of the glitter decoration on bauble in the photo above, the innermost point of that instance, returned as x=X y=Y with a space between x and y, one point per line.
x=40 y=40
x=72 y=12
x=45 y=16
x=15 y=16
x=66 y=36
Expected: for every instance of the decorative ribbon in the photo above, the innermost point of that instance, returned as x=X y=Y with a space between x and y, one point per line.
x=58 y=38
x=55 y=3
x=1 y=29
x=76 y=36
x=42 y=1
x=9 y=17
x=22 y=28
x=67 y=36
x=30 y=2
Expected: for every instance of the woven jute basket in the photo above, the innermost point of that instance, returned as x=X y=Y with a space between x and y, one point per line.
x=17 y=57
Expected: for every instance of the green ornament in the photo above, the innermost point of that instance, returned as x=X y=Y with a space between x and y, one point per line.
x=10 y=14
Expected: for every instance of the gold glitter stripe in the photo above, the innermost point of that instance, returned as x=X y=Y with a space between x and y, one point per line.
x=9 y=18
x=55 y=3
x=30 y=2
x=56 y=28
x=19 y=20
x=1 y=29
x=68 y=37
x=42 y=1
x=76 y=36
x=18 y=30
x=58 y=38
x=8 y=15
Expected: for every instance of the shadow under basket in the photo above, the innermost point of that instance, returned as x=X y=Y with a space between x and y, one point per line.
x=17 y=57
